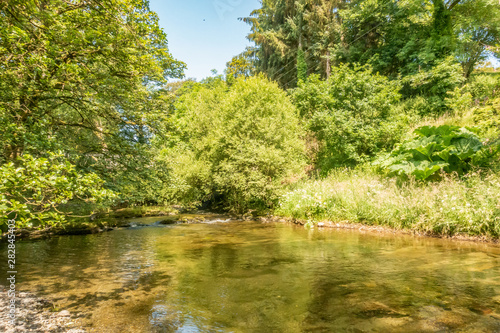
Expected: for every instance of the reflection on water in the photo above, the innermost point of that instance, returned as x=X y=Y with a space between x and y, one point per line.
x=247 y=276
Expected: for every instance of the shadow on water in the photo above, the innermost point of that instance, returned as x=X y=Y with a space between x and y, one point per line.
x=248 y=276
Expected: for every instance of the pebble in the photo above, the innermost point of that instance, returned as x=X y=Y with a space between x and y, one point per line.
x=64 y=313
x=33 y=315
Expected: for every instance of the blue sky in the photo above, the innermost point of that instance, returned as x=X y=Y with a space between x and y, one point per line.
x=205 y=34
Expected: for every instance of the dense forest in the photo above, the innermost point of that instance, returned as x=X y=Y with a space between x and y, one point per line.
x=382 y=112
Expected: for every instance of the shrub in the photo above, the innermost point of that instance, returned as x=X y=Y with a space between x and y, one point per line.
x=487 y=119
x=419 y=105
x=352 y=114
x=481 y=90
x=483 y=87
x=447 y=148
x=236 y=145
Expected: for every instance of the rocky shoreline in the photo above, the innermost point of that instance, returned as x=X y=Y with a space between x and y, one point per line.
x=33 y=314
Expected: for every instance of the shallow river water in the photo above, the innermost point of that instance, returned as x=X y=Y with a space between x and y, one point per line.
x=255 y=277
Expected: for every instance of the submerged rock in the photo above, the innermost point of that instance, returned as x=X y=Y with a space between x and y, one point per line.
x=378 y=309
x=169 y=220
x=64 y=313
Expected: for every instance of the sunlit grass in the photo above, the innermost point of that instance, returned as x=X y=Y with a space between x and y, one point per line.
x=451 y=206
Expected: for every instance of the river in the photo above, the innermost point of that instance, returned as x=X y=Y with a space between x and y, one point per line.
x=230 y=276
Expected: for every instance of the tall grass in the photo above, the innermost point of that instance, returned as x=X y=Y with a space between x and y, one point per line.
x=470 y=205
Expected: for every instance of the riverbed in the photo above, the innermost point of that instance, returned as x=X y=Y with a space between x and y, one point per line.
x=236 y=276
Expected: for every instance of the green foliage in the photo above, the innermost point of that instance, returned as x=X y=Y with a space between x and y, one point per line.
x=236 y=145
x=353 y=114
x=477 y=97
x=487 y=119
x=446 y=148
x=394 y=37
x=33 y=190
x=483 y=87
x=240 y=65
x=301 y=66
x=468 y=205
x=442 y=32
x=477 y=30
x=459 y=100
x=418 y=106
x=84 y=78
x=284 y=31
x=90 y=79
x=434 y=85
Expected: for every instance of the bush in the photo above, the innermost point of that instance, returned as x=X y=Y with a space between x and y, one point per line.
x=421 y=106
x=352 y=114
x=487 y=119
x=434 y=149
x=481 y=90
x=483 y=87
x=236 y=145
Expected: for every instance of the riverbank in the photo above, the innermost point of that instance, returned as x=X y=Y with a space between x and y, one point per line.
x=376 y=229
x=94 y=228
x=122 y=220
x=96 y=223
x=467 y=208
x=461 y=209
x=33 y=314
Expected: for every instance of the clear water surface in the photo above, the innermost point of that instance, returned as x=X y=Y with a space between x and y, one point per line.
x=256 y=277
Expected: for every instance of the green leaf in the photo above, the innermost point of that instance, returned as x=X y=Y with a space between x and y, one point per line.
x=425 y=169
x=447 y=148
x=466 y=147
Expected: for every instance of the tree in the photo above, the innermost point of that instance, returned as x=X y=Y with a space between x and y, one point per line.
x=240 y=65
x=324 y=28
x=478 y=30
x=301 y=66
x=33 y=192
x=394 y=37
x=442 y=33
x=351 y=114
x=82 y=77
x=84 y=65
x=236 y=145
x=293 y=37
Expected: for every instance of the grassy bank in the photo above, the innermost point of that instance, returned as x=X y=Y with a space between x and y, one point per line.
x=470 y=206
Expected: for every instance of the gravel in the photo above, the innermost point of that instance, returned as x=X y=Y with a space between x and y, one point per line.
x=33 y=315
